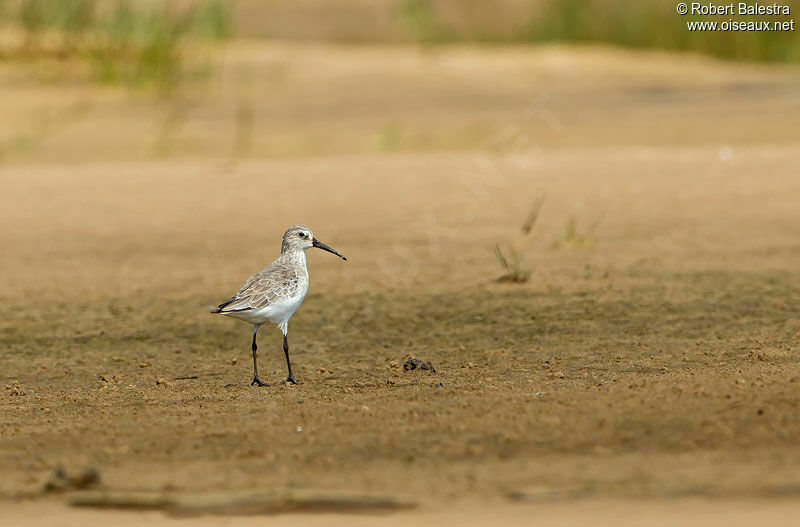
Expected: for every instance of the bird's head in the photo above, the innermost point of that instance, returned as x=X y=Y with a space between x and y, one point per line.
x=300 y=238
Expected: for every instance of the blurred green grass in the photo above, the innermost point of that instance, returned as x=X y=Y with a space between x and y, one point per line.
x=656 y=24
x=123 y=42
x=651 y=24
x=647 y=24
x=155 y=43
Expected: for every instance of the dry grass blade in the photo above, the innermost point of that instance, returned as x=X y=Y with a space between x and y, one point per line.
x=533 y=215
x=570 y=232
x=501 y=259
x=593 y=228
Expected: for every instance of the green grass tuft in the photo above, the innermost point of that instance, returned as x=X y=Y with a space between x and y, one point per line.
x=514 y=268
x=572 y=237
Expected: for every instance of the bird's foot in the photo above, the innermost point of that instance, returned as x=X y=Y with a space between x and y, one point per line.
x=257 y=381
x=290 y=380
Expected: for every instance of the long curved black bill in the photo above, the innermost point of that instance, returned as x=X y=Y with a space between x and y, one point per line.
x=324 y=247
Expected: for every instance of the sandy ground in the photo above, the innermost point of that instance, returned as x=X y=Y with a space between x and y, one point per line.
x=650 y=357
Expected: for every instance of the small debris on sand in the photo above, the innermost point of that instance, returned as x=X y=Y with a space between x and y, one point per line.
x=416 y=364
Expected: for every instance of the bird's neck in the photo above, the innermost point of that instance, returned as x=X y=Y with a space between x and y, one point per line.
x=294 y=257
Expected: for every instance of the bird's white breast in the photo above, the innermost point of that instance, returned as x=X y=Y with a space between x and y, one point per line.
x=281 y=309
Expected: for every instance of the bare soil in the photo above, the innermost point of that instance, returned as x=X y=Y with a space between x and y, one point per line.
x=651 y=356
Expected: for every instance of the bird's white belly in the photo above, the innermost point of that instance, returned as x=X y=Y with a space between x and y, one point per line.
x=278 y=312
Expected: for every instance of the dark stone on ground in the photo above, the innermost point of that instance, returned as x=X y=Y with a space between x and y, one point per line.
x=416 y=364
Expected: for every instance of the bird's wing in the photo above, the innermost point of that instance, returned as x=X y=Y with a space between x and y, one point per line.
x=263 y=288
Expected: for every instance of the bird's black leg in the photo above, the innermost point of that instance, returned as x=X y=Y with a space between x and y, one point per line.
x=290 y=378
x=256 y=380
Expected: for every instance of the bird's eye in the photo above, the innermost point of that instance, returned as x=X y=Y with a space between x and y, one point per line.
x=301 y=234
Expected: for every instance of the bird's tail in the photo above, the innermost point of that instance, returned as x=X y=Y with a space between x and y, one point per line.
x=220 y=307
